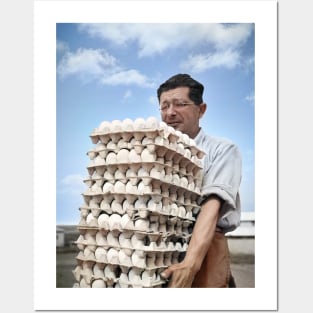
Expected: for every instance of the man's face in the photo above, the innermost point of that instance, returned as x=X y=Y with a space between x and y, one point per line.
x=178 y=111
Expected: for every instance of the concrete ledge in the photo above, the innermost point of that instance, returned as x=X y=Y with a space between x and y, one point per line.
x=241 y=241
x=241 y=245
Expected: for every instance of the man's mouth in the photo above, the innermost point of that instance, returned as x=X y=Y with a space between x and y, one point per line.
x=173 y=124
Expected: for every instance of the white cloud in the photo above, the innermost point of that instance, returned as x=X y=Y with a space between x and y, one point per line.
x=127 y=94
x=97 y=64
x=158 y=38
x=62 y=46
x=201 y=62
x=86 y=62
x=126 y=77
x=72 y=184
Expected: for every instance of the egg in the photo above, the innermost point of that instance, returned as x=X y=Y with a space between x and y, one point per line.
x=104 y=127
x=122 y=156
x=112 y=256
x=103 y=221
x=107 y=187
x=134 y=157
x=98 y=283
x=124 y=258
x=105 y=206
x=101 y=239
x=138 y=262
x=152 y=122
x=126 y=222
x=148 y=276
x=114 y=221
x=119 y=187
x=127 y=125
x=134 y=277
x=91 y=220
x=147 y=156
x=139 y=124
x=111 y=158
x=141 y=224
x=98 y=270
x=109 y=270
x=101 y=254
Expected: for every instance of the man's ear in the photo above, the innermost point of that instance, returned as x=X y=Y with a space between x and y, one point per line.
x=202 y=109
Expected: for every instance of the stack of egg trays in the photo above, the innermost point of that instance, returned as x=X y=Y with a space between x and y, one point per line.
x=129 y=235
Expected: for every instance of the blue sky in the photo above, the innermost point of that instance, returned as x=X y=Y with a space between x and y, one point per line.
x=112 y=71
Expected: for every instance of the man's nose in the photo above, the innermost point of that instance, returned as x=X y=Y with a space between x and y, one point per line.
x=171 y=110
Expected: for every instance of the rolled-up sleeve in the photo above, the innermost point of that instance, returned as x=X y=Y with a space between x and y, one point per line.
x=222 y=171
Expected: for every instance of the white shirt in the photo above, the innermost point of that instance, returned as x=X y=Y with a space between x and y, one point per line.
x=222 y=167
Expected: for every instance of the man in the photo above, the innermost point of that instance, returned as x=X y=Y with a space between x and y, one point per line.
x=207 y=262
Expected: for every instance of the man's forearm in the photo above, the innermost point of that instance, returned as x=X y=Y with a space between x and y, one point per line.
x=203 y=233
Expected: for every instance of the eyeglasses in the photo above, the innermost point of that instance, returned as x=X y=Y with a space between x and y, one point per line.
x=176 y=105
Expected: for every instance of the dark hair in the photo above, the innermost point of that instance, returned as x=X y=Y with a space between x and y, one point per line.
x=183 y=80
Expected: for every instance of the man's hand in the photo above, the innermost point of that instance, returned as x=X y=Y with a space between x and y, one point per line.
x=179 y=275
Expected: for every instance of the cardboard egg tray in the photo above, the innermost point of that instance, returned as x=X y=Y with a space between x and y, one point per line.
x=140 y=204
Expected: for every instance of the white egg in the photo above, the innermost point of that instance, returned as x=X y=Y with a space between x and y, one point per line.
x=124 y=259
x=122 y=156
x=111 y=146
x=148 y=276
x=90 y=240
x=107 y=175
x=119 y=187
x=138 y=262
x=101 y=239
x=105 y=206
x=103 y=221
x=116 y=126
x=139 y=124
x=104 y=127
x=127 y=124
x=111 y=158
x=98 y=160
x=98 y=283
x=98 y=270
x=134 y=157
x=147 y=141
x=109 y=271
x=136 y=242
x=147 y=156
x=134 y=277
x=112 y=256
x=126 y=222
x=123 y=279
x=101 y=254
x=107 y=187
x=142 y=224
x=122 y=144
x=114 y=222
x=91 y=220
x=143 y=188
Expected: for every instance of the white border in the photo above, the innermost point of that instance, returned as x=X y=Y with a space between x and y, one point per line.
x=264 y=15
